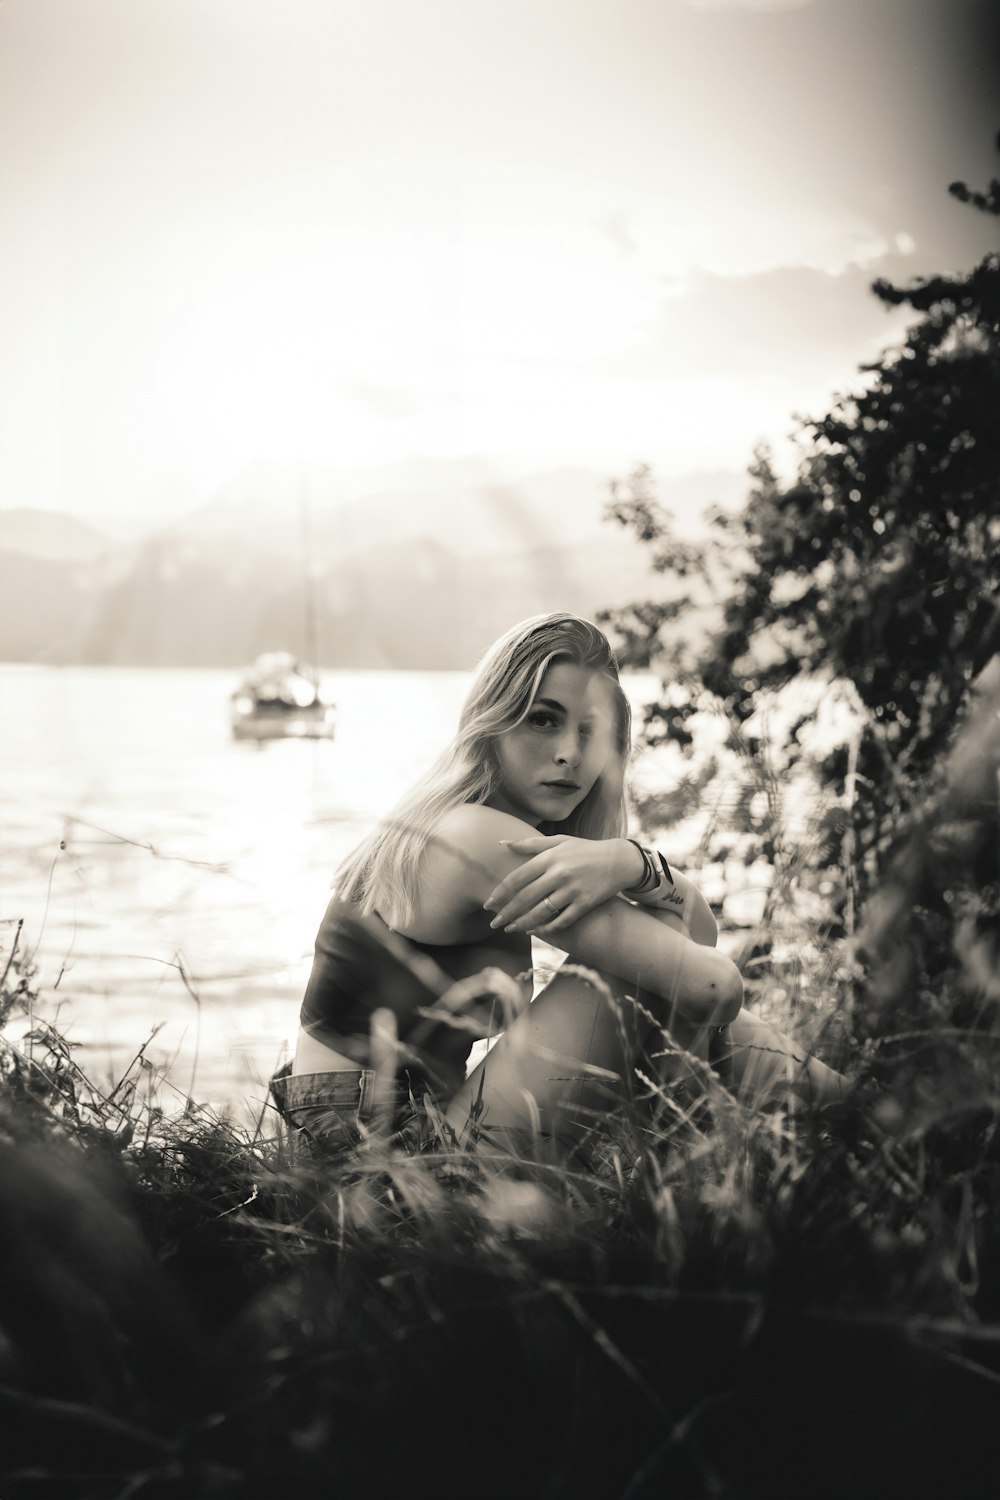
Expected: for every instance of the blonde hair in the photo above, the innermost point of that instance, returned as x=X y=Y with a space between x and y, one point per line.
x=381 y=874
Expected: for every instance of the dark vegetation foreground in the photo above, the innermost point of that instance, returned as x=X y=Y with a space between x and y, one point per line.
x=727 y=1306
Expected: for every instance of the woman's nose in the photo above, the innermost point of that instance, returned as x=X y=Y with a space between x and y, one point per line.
x=569 y=750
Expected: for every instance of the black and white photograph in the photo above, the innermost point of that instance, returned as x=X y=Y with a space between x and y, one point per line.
x=499 y=749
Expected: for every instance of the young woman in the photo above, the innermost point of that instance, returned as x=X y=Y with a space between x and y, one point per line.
x=519 y=829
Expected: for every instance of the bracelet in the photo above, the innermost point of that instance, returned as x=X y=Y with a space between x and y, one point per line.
x=651 y=877
x=648 y=872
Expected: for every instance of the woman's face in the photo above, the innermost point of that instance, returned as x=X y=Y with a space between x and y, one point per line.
x=550 y=761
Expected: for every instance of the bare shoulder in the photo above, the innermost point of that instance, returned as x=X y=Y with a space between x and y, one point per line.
x=478 y=823
x=465 y=850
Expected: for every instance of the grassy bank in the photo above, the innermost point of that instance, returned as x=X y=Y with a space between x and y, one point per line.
x=726 y=1305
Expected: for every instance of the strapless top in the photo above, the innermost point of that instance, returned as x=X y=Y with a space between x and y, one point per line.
x=361 y=964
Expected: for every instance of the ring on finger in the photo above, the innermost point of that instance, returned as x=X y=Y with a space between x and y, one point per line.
x=556 y=911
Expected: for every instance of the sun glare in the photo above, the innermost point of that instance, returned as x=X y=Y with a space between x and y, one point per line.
x=398 y=341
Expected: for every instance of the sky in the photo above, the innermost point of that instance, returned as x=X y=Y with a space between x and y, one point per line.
x=535 y=232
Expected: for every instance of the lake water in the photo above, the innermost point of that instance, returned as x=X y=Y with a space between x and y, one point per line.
x=169 y=876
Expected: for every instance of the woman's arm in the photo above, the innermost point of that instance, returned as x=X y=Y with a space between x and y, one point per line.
x=683 y=899
x=472 y=854
x=576 y=875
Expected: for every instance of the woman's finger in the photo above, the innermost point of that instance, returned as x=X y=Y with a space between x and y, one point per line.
x=514 y=912
x=536 y=845
x=550 y=924
x=537 y=909
x=516 y=882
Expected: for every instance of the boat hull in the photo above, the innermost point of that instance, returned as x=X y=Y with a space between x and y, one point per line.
x=294 y=725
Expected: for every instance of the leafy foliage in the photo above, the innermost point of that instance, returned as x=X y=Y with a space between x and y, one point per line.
x=877 y=568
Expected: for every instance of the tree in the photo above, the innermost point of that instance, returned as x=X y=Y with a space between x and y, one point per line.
x=877 y=568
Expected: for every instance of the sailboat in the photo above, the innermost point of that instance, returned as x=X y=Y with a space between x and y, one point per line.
x=279 y=696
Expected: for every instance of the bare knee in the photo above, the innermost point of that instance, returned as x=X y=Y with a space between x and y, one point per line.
x=770 y=1068
x=558 y=1070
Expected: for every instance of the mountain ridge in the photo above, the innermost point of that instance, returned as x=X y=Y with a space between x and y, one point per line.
x=414 y=590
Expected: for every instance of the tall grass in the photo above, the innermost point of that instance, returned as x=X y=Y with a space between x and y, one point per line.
x=719 y=1304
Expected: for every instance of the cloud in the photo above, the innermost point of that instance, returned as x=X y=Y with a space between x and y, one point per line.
x=868 y=249
x=796 y=325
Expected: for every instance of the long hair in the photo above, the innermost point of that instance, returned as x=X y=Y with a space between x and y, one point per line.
x=381 y=874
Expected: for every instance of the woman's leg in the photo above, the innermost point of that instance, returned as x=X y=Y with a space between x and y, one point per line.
x=560 y=1067
x=767 y=1068
x=570 y=1058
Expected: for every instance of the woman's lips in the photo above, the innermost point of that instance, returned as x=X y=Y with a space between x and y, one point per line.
x=565 y=787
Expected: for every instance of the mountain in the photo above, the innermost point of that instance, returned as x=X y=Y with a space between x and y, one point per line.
x=458 y=503
x=403 y=605
x=397 y=579
x=42 y=602
x=49 y=534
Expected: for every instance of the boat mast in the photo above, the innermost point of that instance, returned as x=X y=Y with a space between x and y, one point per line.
x=309 y=602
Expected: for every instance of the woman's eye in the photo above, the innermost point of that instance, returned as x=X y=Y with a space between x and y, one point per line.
x=541 y=719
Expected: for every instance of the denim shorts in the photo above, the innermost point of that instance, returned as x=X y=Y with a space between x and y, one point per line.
x=334 y=1112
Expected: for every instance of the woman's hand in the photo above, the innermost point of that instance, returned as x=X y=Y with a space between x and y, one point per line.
x=563 y=880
